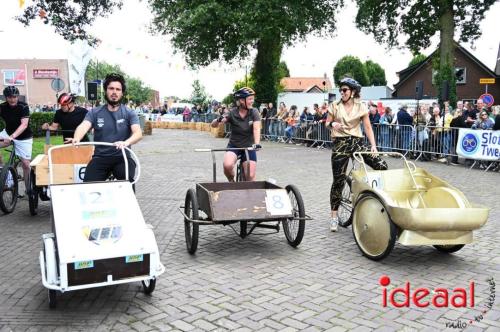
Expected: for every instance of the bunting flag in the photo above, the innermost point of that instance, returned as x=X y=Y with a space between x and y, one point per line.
x=21 y=3
x=168 y=59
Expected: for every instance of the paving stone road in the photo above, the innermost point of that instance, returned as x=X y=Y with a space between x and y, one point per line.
x=259 y=283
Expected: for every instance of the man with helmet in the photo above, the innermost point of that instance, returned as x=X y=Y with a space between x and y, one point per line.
x=68 y=117
x=344 y=118
x=245 y=133
x=16 y=116
x=115 y=123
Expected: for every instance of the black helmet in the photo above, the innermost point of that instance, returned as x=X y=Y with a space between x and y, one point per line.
x=350 y=82
x=10 y=91
x=243 y=93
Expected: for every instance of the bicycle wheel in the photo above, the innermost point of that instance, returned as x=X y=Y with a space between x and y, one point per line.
x=190 y=228
x=9 y=189
x=374 y=232
x=294 y=229
x=344 y=212
x=33 y=194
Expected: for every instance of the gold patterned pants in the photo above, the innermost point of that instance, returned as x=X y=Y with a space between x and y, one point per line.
x=342 y=150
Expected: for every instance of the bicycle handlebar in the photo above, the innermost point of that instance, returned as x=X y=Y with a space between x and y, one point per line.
x=226 y=149
x=134 y=156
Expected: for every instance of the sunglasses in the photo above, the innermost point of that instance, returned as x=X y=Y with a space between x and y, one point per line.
x=344 y=90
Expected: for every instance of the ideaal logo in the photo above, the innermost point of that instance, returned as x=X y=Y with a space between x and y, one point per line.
x=423 y=297
x=470 y=143
x=439 y=298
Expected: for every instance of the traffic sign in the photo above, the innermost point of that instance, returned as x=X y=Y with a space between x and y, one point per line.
x=57 y=84
x=486 y=81
x=487 y=99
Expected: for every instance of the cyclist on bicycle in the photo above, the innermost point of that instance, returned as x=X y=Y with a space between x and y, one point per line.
x=16 y=116
x=68 y=117
x=245 y=133
x=344 y=118
x=112 y=123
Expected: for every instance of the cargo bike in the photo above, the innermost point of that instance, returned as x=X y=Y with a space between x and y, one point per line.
x=99 y=235
x=409 y=205
x=69 y=167
x=250 y=204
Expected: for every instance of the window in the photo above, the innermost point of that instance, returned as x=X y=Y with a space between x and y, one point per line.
x=460 y=75
x=14 y=77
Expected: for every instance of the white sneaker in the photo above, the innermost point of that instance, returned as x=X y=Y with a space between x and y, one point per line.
x=334 y=224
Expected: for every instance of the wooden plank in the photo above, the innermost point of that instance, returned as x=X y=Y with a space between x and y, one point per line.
x=63 y=173
x=73 y=155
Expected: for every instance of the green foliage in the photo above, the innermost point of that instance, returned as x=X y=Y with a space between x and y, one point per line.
x=283 y=70
x=36 y=121
x=375 y=73
x=210 y=30
x=97 y=70
x=351 y=66
x=39 y=118
x=228 y=100
x=419 y=20
x=199 y=96
x=445 y=74
x=137 y=91
x=418 y=58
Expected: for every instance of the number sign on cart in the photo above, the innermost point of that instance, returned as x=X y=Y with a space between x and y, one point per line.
x=278 y=202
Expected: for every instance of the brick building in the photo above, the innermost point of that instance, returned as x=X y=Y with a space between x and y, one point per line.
x=468 y=71
x=33 y=78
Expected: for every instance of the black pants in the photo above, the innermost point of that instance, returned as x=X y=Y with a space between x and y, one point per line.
x=100 y=168
x=342 y=151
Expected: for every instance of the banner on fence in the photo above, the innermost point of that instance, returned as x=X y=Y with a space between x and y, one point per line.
x=479 y=144
x=172 y=118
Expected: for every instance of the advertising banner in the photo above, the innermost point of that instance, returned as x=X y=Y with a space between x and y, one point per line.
x=45 y=73
x=479 y=144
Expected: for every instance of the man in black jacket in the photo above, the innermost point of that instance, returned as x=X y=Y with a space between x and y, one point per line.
x=405 y=122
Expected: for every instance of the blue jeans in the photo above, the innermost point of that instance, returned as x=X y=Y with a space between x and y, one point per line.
x=446 y=142
x=289 y=131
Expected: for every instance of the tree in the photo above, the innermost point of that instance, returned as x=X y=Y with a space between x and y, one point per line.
x=350 y=66
x=210 y=30
x=375 y=73
x=98 y=70
x=418 y=58
x=283 y=70
x=199 y=96
x=136 y=89
x=420 y=20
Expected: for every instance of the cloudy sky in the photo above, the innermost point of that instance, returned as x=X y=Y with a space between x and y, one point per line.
x=126 y=42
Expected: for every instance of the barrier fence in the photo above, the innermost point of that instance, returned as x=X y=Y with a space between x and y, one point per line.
x=418 y=141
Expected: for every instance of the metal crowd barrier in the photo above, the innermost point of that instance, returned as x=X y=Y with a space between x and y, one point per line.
x=419 y=142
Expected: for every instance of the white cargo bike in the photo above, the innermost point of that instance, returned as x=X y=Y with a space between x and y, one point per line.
x=99 y=235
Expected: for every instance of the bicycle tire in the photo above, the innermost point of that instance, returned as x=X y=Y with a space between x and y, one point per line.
x=8 y=203
x=344 y=212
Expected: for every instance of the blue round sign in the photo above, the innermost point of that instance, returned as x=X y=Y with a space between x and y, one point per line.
x=470 y=143
x=487 y=99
